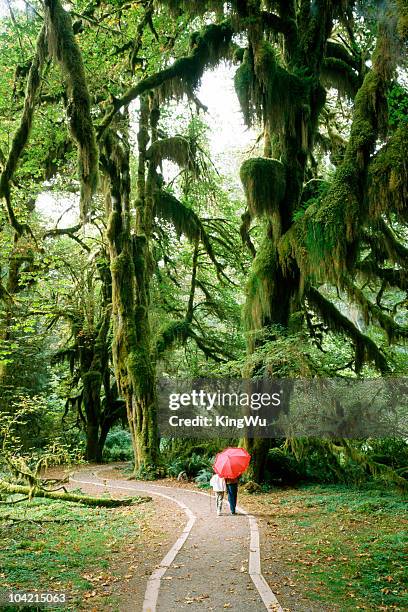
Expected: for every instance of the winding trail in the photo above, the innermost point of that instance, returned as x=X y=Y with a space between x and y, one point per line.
x=215 y=562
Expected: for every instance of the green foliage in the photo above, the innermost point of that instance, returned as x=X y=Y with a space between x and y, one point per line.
x=188 y=466
x=203 y=478
x=118 y=446
x=397 y=105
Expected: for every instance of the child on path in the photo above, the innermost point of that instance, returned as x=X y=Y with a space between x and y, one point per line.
x=219 y=488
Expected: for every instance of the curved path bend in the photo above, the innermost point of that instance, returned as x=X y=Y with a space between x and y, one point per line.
x=213 y=565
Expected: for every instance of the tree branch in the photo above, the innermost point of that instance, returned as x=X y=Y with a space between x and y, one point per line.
x=365 y=348
x=208 y=48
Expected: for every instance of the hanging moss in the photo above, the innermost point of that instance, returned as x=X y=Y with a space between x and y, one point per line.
x=191 y=7
x=179 y=150
x=22 y=134
x=184 y=220
x=402 y=6
x=208 y=47
x=269 y=92
x=388 y=176
x=325 y=241
x=62 y=45
x=243 y=82
x=337 y=73
x=373 y=313
x=244 y=231
x=178 y=331
x=366 y=350
x=261 y=290
x=264 y=182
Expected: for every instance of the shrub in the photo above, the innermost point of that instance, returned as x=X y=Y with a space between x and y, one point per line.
x=203 y=478
x=190 y=466
x=283 y=468
x=118 y=446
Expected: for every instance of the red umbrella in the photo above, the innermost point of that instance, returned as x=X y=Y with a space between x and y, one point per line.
x=232 y=462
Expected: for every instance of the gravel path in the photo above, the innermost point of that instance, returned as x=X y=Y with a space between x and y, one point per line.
x=213 y=565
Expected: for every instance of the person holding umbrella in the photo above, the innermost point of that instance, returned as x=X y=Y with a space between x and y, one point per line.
x=232 y=491
x=231 y=464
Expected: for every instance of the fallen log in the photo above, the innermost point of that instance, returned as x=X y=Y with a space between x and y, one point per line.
x=13 y=489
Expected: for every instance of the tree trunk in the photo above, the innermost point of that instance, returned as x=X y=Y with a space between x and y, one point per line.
x=274 y=290
x=131 y=272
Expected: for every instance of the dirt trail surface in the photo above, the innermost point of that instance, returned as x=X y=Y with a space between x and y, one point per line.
x=213 y=565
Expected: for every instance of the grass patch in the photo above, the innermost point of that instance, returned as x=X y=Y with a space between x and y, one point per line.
x=62 y=546
x=345 y=547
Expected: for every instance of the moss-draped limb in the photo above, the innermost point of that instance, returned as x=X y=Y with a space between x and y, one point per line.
x=373 y=313
x=264 y=182
x=327 y=236
x=315 y=22
x=388 y=176
x=365 y=349
x=370 y=269
x=177 y=331
x=185 y=221
x=340 y=52
x=191 y=7
x=22 y=134
x=178 y=149
x=208 y=47
x=99 y=502
x=402 y=6
x=390 y=246
x=340 y=75
x=266 y=90
x=64 y=48
x=283 y=24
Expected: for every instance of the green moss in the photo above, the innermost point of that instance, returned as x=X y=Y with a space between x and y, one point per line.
x=339 y=74
x=178 y=149
x=191 y=7
x=178 y=331
x=325 y=240
x=388 y=176
x=22 y=134
x=264 y=182
x=261 y=289
x=208 y=47
x=269 y=92
x=63 y=47
x=243 y=81
x=184 y=220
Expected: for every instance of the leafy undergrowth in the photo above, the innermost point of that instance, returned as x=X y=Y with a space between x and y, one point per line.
x=344 y=548
x=60 y=546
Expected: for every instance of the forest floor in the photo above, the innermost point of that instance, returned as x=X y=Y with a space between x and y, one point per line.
x=323 y=548
x=100 y=557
